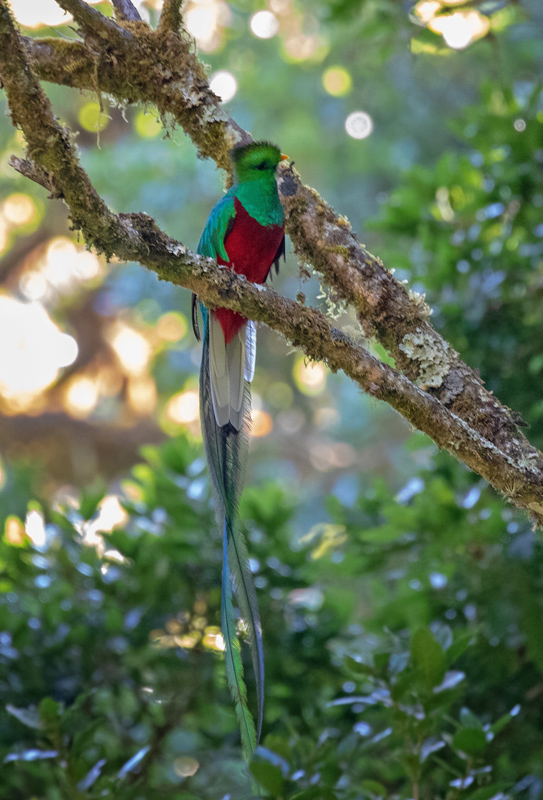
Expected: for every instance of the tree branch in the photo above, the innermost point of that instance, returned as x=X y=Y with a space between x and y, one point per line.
x=310 y=330
x=126 y=10
x=170 y=17
x=384 y=306
x=91 y=21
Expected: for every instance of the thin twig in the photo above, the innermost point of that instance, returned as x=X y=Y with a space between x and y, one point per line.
x=126 y=10
x=170 y=16
x=91 y=21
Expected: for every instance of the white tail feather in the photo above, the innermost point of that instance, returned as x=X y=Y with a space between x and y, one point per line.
x=227 y=373
x=250 y=350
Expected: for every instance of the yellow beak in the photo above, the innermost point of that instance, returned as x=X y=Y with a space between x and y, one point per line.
x=284 y=157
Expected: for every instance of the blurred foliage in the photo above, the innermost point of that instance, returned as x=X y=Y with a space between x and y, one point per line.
x=403 y=644
x=469 y=232
x=401 y=600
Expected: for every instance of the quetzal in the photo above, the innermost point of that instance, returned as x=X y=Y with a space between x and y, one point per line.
x=245 y=232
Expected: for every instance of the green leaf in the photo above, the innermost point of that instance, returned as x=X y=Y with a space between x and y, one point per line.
x=500 y=723
x=423 y=47
x=532 y=627
x=279 y=745
x=49 y=711
x=469 y=719
x=268 y=776
x=90 y=499
x=373 y=788
x=486 y=792
x=459 y=646
x=315 y=793
x=469 y=740
x=428 y=657
x=358 y=667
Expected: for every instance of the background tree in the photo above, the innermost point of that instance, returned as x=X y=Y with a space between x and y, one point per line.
x=442 y=576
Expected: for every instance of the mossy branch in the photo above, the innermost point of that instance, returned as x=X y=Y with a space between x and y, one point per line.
x=437 y=392
x=91 y=21
x=173 y=80
x=170 y=16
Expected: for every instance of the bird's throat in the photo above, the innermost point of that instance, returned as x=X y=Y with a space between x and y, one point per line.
x=261 y=200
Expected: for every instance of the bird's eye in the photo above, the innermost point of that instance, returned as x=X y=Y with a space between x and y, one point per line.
x=262 y=165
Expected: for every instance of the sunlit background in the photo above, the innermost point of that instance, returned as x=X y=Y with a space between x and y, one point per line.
x=105 y=353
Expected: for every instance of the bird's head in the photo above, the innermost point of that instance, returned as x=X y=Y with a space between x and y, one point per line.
x=255 y=161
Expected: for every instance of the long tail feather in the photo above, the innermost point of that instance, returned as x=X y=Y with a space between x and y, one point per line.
x=234 y=666
x=227 y=453
x=242 y=579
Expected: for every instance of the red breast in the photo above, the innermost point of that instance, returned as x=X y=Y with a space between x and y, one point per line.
x=251 y=249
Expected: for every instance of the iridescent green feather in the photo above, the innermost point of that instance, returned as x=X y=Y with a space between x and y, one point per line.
x=222 y=215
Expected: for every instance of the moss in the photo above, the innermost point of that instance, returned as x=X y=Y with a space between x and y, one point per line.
x=339 y=249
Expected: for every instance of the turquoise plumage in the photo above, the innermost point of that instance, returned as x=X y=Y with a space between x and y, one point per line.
x=245 y=232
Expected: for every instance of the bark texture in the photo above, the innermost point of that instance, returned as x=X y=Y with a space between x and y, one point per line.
x=431 y=386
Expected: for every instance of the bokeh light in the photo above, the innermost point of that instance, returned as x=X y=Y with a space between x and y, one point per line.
x=183 y=408
x=111 y=514
x=224 y=84
x=92 y=117
x=19 y=209
x=185 y=766
x=262 y=423
x=264 y=24
x=359 y=125
x=427 y=9
x=35 y=528
x=204 y=20
x=34 y=350
x=80 y=396
x=460 y=28
x=310 y=377
x=131 y=347
x=171 y=326
x=14 y=531
x=142 y=395
x=59 y=260
x=280 y=6
x=300 y=47
x=58 y=270
x=4 y=234
x=41 y=13
x=147 y=124
x=337 y=81
x=213 y=639
x=38 y=14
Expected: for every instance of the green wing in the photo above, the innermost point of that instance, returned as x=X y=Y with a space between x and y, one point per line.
x=218 y=226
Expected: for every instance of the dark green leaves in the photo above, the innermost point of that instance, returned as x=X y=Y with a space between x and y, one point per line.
x=428 y=658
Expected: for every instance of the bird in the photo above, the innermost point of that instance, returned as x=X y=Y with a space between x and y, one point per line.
x=244 y=232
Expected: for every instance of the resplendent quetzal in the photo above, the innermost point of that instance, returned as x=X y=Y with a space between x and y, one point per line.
x=245 y=232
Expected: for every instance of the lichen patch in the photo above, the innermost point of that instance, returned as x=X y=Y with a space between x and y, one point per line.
x=431 y=357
